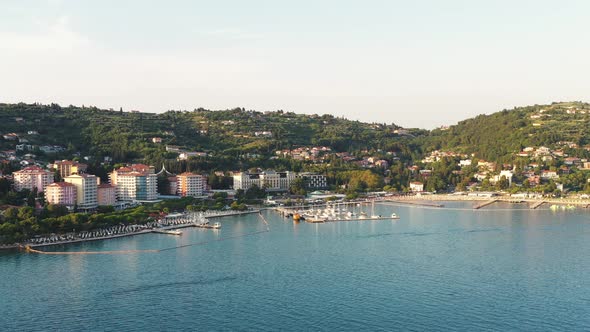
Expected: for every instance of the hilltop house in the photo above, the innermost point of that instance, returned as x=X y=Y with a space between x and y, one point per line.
x=416 y=186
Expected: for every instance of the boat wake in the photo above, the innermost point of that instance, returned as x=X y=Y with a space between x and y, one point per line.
x=146 y=288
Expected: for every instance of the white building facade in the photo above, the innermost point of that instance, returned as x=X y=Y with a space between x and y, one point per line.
x=86 y=190
x=269 y=180
x=190 y=184
x=32 y=177
x=314 y=181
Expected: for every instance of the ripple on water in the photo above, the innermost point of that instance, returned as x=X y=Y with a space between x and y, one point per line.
x=433 y=269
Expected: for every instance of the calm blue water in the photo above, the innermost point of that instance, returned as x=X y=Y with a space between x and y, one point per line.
x=431 y=270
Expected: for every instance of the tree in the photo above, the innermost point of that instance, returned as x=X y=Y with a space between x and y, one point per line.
x=31 y=197
x=298 y=187
x=11 y=214
x=56 y=211
x=25 y=212
x=255 y=192
x=503 y=183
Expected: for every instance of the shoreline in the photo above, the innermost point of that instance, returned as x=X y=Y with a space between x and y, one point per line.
x=507 y=199
x=19 y=246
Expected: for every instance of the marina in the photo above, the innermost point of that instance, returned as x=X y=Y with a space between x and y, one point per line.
x=335 y=212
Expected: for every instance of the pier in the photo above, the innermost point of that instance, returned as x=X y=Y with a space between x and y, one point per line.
x=230 y=214
x=208 y=226
x=320 y=220
x=428 y=204
x=165 y=231
x=537 y=204
x=484 y=204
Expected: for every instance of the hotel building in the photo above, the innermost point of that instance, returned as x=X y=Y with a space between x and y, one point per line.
x=68 y=167
x=137 y=182
x=32 y=177
x=106 y=194
x=61 y=193
x=190 y=184
x=86 y=190
x=314 y=181
x=269 y=180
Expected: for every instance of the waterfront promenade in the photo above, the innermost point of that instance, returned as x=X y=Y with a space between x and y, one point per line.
x=533 y=202
x=172 y=221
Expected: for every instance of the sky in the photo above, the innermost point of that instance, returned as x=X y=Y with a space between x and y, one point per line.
x=421 y=63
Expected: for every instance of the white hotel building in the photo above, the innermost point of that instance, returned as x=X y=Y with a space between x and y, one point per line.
x=135 y=183
x=277 y=181
x=86 y=190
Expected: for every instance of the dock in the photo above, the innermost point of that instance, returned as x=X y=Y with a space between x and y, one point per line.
x=230 y=214
x=321 y=220
x=165 y=231
x=484 y=204
x=413 y=203
x=537 y=204
x=208 y=226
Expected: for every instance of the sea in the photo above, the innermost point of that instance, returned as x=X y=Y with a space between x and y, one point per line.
x=501 y=268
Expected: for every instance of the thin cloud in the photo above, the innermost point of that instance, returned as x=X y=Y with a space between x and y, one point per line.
x=232 y=33
x=58 y=36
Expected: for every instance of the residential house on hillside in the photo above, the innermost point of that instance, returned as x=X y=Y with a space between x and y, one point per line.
x=10 y=136
x=549 y=175
x=185 y=155
x=572 y=161
x=416 y=186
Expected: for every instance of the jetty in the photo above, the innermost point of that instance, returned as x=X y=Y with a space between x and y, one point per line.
x=537 y=204
x=322 y=220
x=428 y=204
x=230 y=214
x=484 y=204
x=165 y=231
x=208 y=226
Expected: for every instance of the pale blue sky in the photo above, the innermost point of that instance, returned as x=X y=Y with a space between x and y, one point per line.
x=414 y=63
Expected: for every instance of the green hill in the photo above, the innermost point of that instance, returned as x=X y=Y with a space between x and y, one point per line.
x=499 y=135
x=229 y=134
x=126 y=136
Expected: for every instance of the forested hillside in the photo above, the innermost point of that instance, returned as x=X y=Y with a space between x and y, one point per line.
x=500 y=135
x=127 y=136
x=229 y=135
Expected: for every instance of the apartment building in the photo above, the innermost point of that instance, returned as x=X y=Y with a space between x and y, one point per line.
x=86 y=190
x=32 y=177
x=61 y=193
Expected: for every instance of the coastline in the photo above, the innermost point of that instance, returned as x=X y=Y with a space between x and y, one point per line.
x=446 y=197
x=18 y=246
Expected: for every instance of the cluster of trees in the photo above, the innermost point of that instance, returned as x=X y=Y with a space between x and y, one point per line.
x=126 y=136
x=18 y=224
x=499 y=135
x=361 y=180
